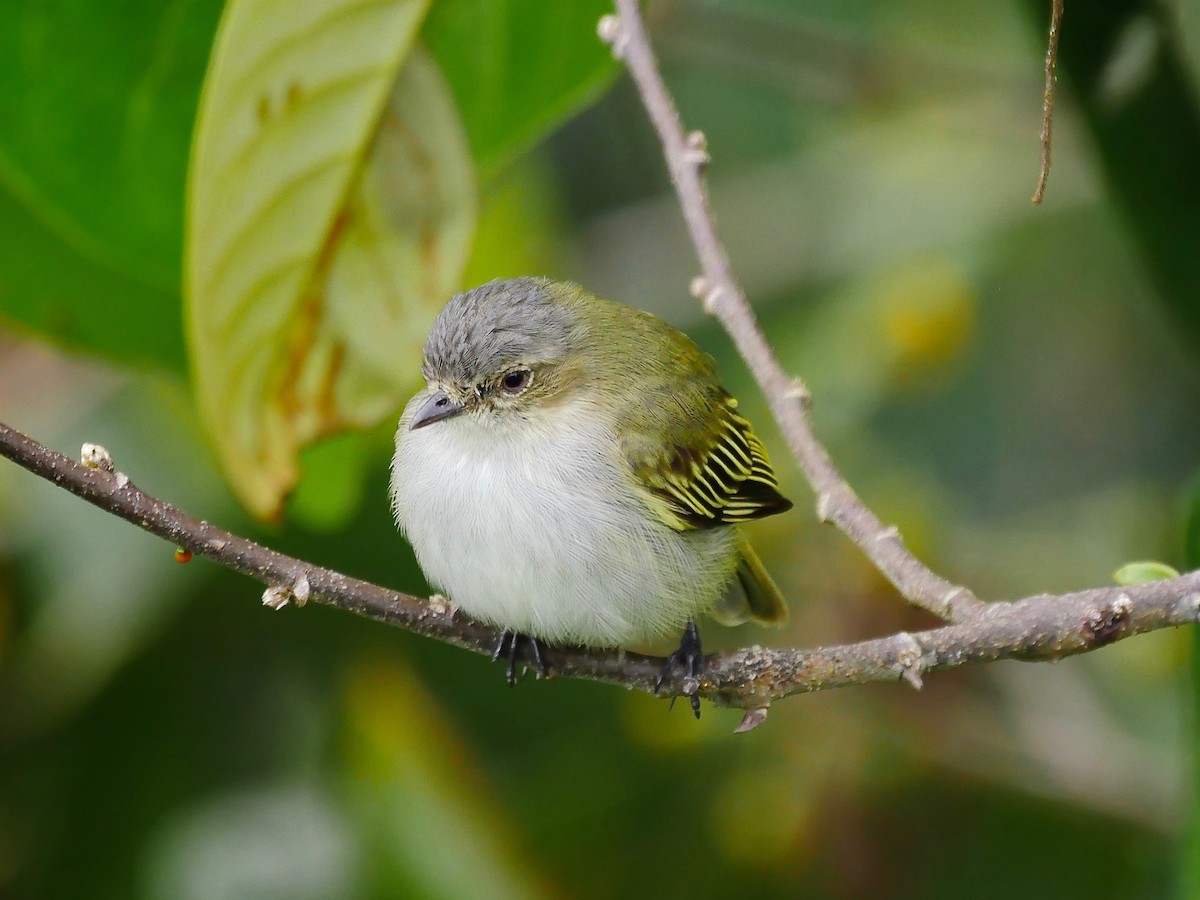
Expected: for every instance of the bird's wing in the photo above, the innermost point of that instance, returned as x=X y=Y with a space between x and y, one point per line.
x=711 y=470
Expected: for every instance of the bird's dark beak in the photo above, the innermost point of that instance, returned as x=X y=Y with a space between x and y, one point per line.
x=436 y=408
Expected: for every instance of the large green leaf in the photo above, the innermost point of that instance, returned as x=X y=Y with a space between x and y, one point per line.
x=518 y=67
x=331 y=208
x=96 y=114
x=76 y=299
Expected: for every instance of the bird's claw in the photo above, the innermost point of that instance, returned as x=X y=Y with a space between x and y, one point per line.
x=509 y=646
x=690 y=658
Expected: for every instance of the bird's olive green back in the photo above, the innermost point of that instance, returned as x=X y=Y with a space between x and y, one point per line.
x=698 y=459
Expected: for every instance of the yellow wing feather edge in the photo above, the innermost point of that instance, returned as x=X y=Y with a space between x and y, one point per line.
x=728 y=482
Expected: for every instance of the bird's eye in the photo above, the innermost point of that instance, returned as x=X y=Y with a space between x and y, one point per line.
x=516 y=381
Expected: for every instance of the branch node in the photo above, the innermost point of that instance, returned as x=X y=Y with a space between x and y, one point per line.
x=824 y=506
x=711 y=301
x=612 y=33
x=798 y=391
x=1104 y=625
x=301 y=590
x=122 y=481
x=696 y=153
x=440 y=605
x=751 y=720
x=707 y=293
x=96 y=457
x=911 y=660
x=276 y=596
x=947 y=601
x=890 y=533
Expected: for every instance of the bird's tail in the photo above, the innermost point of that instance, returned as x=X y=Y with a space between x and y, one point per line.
x=760 y=600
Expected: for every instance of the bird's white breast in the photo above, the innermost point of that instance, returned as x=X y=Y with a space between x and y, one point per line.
x=534 y=524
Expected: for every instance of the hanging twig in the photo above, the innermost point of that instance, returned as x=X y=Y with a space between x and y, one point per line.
x=1056 y=13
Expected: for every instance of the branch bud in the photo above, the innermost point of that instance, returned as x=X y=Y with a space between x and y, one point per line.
x=696 y=153
x=96 y=457
x=610 y=31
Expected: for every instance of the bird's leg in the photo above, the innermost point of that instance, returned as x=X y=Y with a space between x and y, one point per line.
x=509 y=646
x=689 y=657
x=535 y=650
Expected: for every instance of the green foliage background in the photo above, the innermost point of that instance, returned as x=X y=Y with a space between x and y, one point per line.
x=1015 y=387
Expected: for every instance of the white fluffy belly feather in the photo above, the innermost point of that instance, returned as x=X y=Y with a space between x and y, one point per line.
x=537 y=527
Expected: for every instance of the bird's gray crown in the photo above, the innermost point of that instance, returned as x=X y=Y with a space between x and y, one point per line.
x=482 y=331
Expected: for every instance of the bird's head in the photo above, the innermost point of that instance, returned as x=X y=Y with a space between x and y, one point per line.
x=502 y=350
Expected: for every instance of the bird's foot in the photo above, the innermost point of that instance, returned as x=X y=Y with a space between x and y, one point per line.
x=510 y=646
x=690 y=658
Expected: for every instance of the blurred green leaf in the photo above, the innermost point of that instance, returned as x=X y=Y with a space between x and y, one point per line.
x=330 y=487
x=518 y=68
x=911 y=323
x=331 y=208
x=95 y=122
x=1143 y=573
x=520 y=219
x=429 y=826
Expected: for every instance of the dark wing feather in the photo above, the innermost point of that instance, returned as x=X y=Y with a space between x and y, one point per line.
x=720 y=476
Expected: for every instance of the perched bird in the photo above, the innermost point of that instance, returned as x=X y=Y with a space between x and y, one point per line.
x=573 y=472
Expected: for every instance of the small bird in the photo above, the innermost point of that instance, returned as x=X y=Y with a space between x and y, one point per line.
x=573 y=472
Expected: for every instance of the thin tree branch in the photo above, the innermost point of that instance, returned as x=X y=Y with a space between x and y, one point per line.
x=1056 y=14
x=1037 y=628
x=687 y=158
